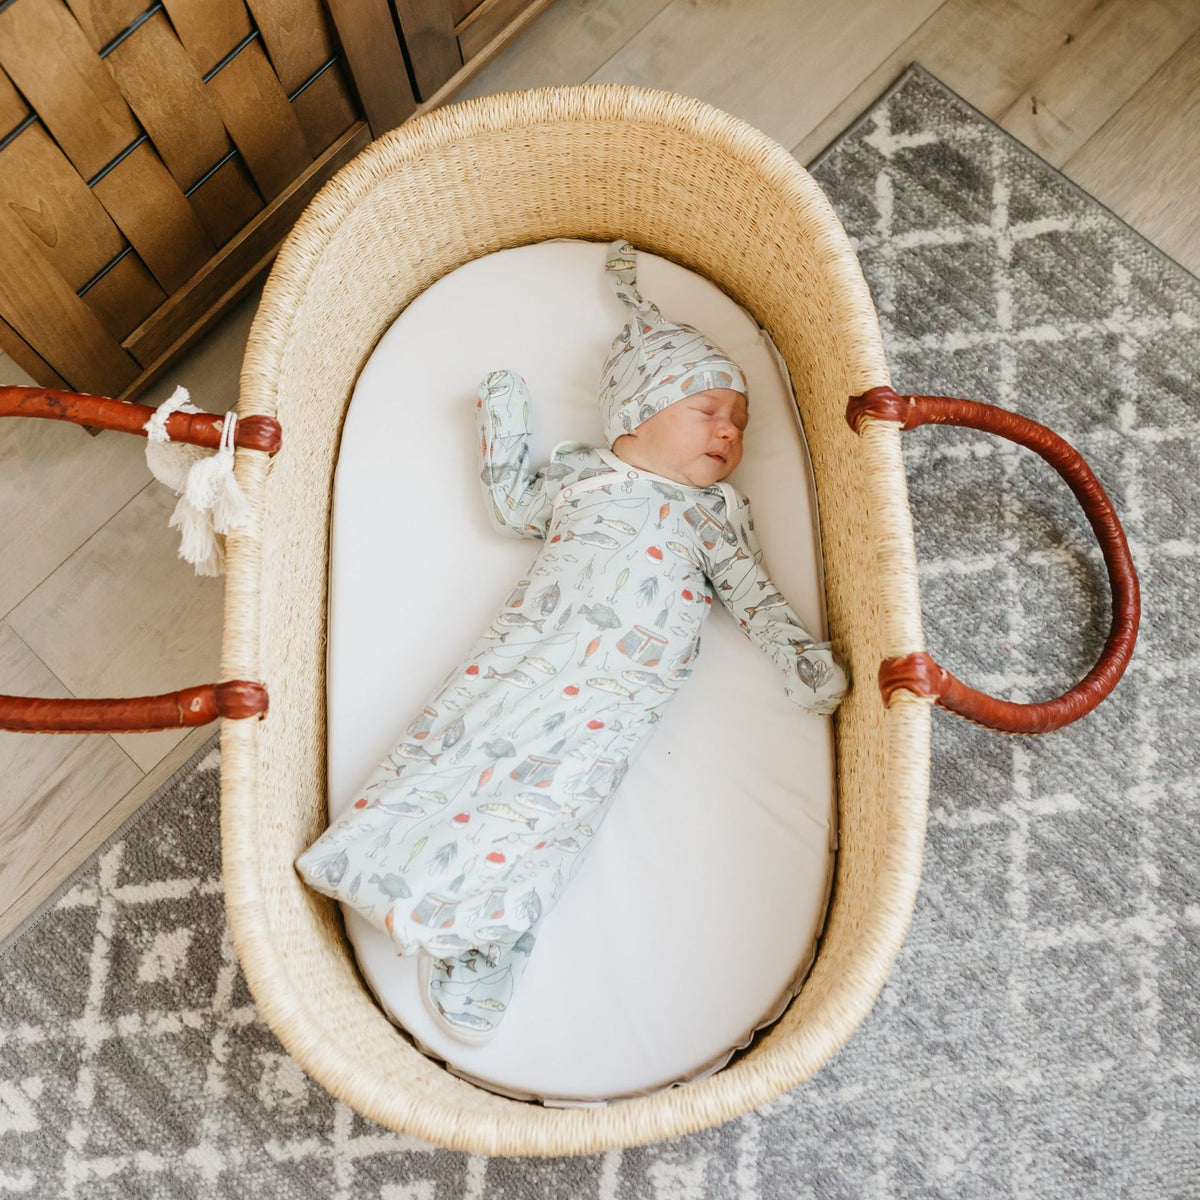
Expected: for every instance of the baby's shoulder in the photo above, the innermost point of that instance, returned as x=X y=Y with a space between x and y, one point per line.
x=731 y=503
x=578 y=460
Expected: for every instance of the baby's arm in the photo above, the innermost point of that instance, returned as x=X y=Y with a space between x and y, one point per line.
x=520 y=500
x=815 y=680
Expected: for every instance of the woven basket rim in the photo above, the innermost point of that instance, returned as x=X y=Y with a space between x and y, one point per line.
x=487 y=116
x=746 y=1083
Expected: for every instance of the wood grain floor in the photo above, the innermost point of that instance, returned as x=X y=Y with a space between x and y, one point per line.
x=95 y=602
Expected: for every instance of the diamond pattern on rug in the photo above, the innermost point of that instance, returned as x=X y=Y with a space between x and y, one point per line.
x=1038 y=1035
x=1047 y=926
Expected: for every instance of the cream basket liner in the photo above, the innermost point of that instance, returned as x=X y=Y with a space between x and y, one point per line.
x=682 y=180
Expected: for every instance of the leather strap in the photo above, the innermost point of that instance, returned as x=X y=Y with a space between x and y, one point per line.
x=919 y=673
x=235 y=699
x=199 y=429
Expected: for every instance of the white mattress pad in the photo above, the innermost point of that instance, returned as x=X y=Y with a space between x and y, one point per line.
x=697 y=912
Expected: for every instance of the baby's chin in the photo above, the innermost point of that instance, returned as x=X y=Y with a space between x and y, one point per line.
x=696 y=472
x=702 y=472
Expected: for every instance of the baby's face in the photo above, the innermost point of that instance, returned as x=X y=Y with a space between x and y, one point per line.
x=696 y=440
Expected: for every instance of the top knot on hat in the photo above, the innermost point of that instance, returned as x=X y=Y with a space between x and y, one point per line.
x=653 y=362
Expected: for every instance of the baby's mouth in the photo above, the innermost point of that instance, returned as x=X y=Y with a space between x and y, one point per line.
x=719 y=457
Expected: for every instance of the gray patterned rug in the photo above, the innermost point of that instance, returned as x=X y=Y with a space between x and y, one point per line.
x=1038 y=1035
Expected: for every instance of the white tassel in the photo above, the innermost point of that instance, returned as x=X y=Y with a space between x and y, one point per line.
x=211 y=502
x=198 y=542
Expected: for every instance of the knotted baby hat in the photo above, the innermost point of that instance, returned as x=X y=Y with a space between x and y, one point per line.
x=653 y=362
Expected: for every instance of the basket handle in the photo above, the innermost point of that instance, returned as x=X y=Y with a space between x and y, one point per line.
x=919 y=673
x=236 y=698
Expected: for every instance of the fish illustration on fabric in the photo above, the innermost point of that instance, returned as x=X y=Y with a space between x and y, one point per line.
x=610 y=685
x=392 y=885
x=414 y=754
x=774 y=600
x=490 y=935
x=544 y=804
x=447 y=943
x=513 y=620
x=669 y=491
x=618 y=525
x=466 y=1021
x=602 y=540
x=601 y=615
x=645 y=679
x=488 y=1002
x=508 y=814
x=430 y=797
x=516 y=677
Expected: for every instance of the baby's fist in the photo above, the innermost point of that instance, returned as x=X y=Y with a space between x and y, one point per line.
x=820 y=681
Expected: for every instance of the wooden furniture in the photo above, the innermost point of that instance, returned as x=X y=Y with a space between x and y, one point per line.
x=153 y=155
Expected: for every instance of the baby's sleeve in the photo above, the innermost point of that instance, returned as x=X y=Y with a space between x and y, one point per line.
x=520 y=500
x=814 y=679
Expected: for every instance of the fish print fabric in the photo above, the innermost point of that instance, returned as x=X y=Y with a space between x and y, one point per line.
x=467 y=833
x=653 y=362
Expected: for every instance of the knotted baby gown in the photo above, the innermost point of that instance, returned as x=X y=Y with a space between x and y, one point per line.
x=466 y=834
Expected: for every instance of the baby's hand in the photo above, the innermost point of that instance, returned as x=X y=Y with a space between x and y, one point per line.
x=820 y=681
x=505 y=395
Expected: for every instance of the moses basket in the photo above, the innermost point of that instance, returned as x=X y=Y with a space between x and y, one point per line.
x=694 y=185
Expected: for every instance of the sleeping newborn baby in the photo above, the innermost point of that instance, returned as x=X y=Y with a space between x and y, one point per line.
x=464 y=838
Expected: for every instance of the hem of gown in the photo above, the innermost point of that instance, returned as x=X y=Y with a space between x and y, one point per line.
x=709 y=1067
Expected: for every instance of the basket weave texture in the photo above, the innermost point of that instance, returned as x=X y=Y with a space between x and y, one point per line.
x=598 y=162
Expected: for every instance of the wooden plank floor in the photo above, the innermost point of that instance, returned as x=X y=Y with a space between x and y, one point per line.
x=92 y=596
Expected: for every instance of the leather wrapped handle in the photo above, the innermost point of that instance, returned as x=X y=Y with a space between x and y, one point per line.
x=919 y=673
x=237 y=698
x=199 y=429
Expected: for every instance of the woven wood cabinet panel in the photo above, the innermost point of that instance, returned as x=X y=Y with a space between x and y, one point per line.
x=153 y=155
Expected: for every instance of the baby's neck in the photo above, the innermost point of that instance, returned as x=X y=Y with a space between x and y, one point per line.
x=627 y=453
